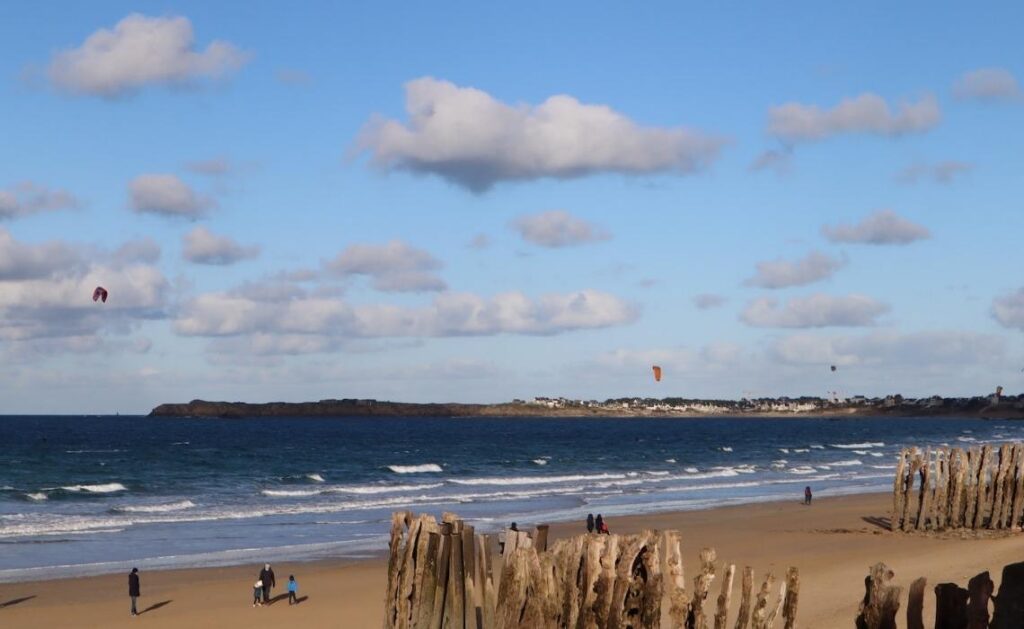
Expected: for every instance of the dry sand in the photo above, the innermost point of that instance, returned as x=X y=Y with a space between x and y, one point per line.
x=832 y=542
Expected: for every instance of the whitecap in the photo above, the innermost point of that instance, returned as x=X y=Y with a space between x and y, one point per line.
x=876 y=454
x=725 y=449
x=540 y=461
x=36 y=496
x=858 y=446
x=845 y=463
x=817 y=446
x=534 y=480
x=670 y=460
x=102 y=488
x=316 y=478
x=784 y=450
x=181 y=505
x=860 y=452
x=800 y=450
x=803 y=469
x=415 y=469
x=691 y=470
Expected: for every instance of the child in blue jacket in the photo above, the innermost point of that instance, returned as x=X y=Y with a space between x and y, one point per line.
x=293 y=589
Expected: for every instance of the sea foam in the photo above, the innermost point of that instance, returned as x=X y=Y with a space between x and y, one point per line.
x=102 y=488
x=169 y=507
x=415 y=469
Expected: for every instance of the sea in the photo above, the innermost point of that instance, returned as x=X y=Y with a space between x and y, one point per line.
x=91 y=495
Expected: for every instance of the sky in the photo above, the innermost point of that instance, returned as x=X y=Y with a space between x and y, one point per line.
x=468 y=203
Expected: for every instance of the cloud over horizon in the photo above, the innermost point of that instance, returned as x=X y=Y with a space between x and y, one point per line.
x=393 y=267
x=813 y=267
x=988 y=85
x=1008 y=310
x=864 y=114
x=27 y=198
x=883 y=227
x=814 y=311
x=468 y=137
x=167 y=195
x=201 y=246
x=141 y=51
x=556 y=229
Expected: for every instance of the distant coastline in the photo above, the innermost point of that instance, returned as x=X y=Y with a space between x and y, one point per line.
x=995 y=407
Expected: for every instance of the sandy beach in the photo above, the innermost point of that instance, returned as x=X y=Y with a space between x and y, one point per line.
x=832 y=542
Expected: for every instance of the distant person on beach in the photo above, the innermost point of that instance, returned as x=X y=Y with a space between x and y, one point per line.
x=293 y=590
x=807 y=495
x=133 y=588
x=590 y=523
x=604 y=529
x=257 y=591
x=267 y=577
x=599 y=524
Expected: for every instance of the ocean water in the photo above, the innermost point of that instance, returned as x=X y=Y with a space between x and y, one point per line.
x=86 y=495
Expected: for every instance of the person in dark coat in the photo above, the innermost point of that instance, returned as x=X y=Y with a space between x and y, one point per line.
x=267 y=576
x=133 y=588
x=807 y=495
x=599 y=523
x=590 y=523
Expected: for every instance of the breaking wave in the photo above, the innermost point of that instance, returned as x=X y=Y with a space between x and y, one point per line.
x=415 y=469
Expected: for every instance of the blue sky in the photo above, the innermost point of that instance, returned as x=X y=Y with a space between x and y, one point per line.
x=465 y=203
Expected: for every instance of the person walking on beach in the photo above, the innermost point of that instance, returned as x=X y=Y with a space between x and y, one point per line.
x=257 y=590
x=134 y=592
x=807 y=495
x=590 y=523
x=267 y=577
x=293 y=590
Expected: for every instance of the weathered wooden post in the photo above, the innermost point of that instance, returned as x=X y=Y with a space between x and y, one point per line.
x=910 y=505
x=469 y=577
x=970 y=486
x=950 y=606
x=925 y=500
x=488 y=595
x=1018 y=493
x=958 y=470
x=701 y=585
x=881 y=600
x=899 y=487
x=942 y=490
x=425 y=609
x=983 y=489
x=604 y=588
x=722 y=613
x=1009 y=609
x=980 y=590
x=759 y=617
x=443 y=565
x=675 y=583
x=540 y=540
x=792 y=596
x=456 y=600
x=595 y=549
x=915 y=604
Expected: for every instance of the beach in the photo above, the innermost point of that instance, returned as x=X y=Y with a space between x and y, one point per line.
x=833 y=542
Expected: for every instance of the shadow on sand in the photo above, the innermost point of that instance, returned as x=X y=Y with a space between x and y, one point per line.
x=879 y=521
x=15 y=601
x=155 y=606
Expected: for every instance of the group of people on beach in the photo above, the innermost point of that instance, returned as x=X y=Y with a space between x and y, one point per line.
x=597 y=524
x=260 y=589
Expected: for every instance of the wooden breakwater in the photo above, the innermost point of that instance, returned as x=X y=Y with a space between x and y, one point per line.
x=955 y=607
x=440 y=576
x=951 y=488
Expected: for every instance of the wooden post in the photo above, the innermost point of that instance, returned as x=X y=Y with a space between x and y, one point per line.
x=399 y=520
x=653 y=587
x=759 y=617
x=792 y=597
x=941 y=504
x=427 y=527
x=746 y=590
x=770 y=621
x=1017 y=511
x=899 y=487
x=540 y=541
x=604 y=588
x=469 y=572
x=970 y=486
x=701 y=585
x=441 y=591
x=881 y=600
x=595 y=549
x=980 y=590
x=950 y=606
x=1009 y=611
x=958 y=470
x=999 y=489
x=915 y=604
x=455 y=609
x=424 y=609
x=983 y=489
x=570 y=568
x=1009 y=483
x=675 y=583
x=488 y=595
x=722 y=614
x=631 y=545
x=513 y=590
x=925 y=500
x=407 y=574
x=910 y=505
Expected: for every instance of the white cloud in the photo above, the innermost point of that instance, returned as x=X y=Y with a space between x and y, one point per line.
x=707 y=301
x=201 y=246
x=867 y=113
x=20 y=261
x=470 y=138
x=166 y=195
x=939 y=172
x=140 y=51
x=393 y=267
x=780 y=161
x=922 y=350
x=988 y=84
x=1008 y=310
x=814 y=267
x=310 y=324
x=557 y=228
x=815 y=311
x=28 y=198
x=213 y=167
x=883 y=227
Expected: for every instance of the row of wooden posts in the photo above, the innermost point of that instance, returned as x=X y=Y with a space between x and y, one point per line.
x=949 y=488
x=440 y=576
x=955 y=607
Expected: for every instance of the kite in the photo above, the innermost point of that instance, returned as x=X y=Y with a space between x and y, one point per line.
x=99 y=294
x=657 y=373
x=833 y=367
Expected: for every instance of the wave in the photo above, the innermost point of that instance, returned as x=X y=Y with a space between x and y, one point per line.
x=784 y=450
x=670 y=460
x=803 y=469
x=540 y=461
x=817 y=446
x=534 y=480
x=181 y=505
x=102 y=488
x=845 y=463
x=92 y=451
x=316 y=478
x=860 y=452
x=37 y=496
x=691 y=470
x=876 y=454
x=966 y=439
x=415 y=469
x=801 y=450
x=346 y=489
x=725 y=449
x=858 y=446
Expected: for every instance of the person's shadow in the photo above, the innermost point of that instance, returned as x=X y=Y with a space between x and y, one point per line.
x=15 y=601
x=277 y=598
x=155 y=606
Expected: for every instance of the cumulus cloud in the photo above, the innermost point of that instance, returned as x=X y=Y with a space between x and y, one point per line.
x=141 y=51
x=867 y=113
x=814 y=267
x=46 y=291
x=201 y=246
x=939 y=172
x=922 y=350
x=988 y=84
x=815 y=311
x=883 y=227
x=779 y=161
x=707 y=301
x=557 y=228
x=393 y=267
x=468 y=137
x=28 y=198
x=167 y=195
x=306 y=324
x=1008 y=310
